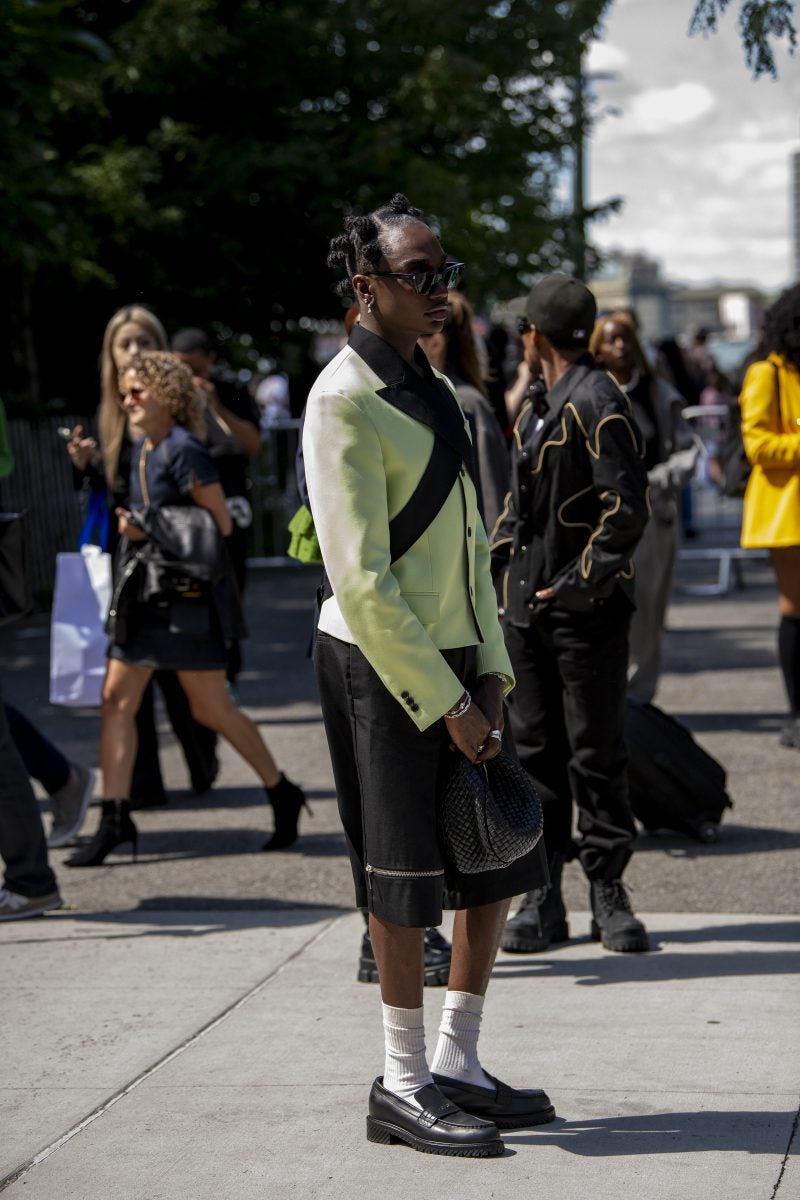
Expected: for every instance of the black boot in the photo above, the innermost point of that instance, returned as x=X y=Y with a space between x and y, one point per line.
x=541 y=919
x=438 y=952
x=286 y=799
x=613 y=921
x=116 y=828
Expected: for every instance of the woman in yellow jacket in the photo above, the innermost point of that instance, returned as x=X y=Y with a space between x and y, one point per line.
x=770 y=404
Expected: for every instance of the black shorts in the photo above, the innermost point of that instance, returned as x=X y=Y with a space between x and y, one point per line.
x=387 y=776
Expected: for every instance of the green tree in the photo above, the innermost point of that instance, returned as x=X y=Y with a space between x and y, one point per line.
x=759 y=21
x=204 y=158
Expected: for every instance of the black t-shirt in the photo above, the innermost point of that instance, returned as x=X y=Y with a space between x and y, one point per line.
x=641 y=398
x=232 y=465
x=171 y=469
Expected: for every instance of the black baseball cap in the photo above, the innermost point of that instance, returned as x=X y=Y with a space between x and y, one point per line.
x=563 y=309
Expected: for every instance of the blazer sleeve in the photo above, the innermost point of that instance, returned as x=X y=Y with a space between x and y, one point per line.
x=347 y=489
x=764 y=442
x=492 y=655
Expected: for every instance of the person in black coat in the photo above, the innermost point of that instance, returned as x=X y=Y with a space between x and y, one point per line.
x=562 y=554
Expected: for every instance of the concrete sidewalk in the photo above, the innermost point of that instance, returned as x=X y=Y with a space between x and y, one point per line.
x=229 y=1054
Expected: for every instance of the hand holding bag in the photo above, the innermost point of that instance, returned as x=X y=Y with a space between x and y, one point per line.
x=77 y=639
x=489 y=814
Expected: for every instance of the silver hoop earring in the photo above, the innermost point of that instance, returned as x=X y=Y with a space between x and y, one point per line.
x=370 y=302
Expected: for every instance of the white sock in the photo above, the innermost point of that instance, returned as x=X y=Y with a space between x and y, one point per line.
x=457 y=1049
x=406 y=1069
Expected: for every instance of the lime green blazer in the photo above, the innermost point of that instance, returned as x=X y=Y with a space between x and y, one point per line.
x=363 y=459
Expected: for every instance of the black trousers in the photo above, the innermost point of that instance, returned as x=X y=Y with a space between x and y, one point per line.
x=567 y=716
x=387 y=775
x=22 y=843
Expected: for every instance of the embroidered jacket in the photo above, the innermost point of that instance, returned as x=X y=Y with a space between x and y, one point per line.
x=578 y=502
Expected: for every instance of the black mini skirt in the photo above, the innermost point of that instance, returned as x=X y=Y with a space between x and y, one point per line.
x=180 y=635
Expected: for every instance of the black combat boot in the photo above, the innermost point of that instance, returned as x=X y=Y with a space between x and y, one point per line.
x=437 y=960
x=613 y=921
x=541 y=919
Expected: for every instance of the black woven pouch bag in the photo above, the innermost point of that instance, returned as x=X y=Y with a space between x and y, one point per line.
x=489 y=814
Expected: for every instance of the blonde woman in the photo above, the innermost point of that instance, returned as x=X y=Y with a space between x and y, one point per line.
x=182 y=626
x=132 y=330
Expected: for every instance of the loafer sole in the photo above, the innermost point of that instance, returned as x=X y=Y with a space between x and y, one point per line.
x=385 y=1133
x=523 y=1121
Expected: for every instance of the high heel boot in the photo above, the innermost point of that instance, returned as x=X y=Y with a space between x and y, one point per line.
x=116 y=828
x=286 y=799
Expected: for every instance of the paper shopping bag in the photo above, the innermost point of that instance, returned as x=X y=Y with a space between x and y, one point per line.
x=77 y=638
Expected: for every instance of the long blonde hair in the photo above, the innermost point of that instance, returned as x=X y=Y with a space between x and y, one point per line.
x=111 y=417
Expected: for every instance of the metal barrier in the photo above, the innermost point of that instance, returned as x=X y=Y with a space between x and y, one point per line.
x=273 y=494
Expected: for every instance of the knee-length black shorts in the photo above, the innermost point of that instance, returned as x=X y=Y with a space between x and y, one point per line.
x=387 y=776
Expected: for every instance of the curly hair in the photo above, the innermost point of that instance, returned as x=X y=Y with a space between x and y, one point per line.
x=359 y=249
x=172 y=385
x=782 y=326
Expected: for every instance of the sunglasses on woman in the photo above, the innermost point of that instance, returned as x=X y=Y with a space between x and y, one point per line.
x=423 y=282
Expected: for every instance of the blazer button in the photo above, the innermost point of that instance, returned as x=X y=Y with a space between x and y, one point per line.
x=469 y=531
x=415 y=708
x=404 y=695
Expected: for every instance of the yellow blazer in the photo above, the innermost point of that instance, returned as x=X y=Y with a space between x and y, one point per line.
x=363 y=460
x=771 y=434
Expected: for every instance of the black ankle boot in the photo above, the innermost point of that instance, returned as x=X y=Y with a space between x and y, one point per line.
x=286 y=799
x=613 y=921
x=541 y=919
x=116 y=828
x=438 y=953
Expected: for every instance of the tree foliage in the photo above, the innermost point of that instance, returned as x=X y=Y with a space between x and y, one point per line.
x=198 y=154
x=759 y=21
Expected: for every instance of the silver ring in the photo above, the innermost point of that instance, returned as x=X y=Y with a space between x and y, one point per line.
x=480 y=749
x=495 y=733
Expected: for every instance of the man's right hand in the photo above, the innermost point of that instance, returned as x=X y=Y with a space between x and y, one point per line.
x=470 y=735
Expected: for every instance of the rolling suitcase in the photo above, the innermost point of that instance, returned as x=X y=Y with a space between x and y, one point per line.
x=673 y=782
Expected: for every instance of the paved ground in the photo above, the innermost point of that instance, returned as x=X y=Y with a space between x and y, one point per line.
x=191 y=1025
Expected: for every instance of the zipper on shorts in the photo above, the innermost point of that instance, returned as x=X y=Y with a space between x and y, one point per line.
x=389 y=873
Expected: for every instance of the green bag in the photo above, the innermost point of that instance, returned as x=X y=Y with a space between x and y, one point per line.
x=304 y=544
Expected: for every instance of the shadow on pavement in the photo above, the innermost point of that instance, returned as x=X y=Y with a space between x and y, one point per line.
x=171 y=845
x=733 y=839
x=706 y=722
x=666 y=1133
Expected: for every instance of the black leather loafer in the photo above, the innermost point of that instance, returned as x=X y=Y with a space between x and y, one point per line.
x=507 y=1107
x=439 y=1127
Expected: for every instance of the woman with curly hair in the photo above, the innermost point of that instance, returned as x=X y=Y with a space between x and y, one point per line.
x=770 y=406
x=106 y=468
x=173 y=606
x=410 y=661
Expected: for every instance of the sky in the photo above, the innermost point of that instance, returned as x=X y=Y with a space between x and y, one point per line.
x=698 y=150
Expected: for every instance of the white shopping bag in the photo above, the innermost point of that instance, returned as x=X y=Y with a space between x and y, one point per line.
x=77 y=638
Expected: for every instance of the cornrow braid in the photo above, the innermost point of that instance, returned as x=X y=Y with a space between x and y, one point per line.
x=358 y=248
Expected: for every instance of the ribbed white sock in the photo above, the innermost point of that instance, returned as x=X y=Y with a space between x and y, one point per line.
x=457 y=1049
x=406 y=1069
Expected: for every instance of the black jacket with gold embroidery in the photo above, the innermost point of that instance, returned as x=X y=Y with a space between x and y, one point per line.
x=578 y=501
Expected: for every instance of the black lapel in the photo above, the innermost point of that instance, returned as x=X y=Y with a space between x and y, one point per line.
x=423 y=397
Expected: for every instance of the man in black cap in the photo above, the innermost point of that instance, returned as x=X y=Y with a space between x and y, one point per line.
x=562 y=548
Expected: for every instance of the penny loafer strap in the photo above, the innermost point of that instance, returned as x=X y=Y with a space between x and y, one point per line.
x=435 y=1105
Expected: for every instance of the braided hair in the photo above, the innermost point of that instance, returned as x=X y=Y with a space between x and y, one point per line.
x=782 y=326
x=358 y=249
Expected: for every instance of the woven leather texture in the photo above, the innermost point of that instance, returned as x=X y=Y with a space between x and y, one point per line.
x=489 y=814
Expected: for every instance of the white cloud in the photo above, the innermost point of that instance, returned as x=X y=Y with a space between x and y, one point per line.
x=601 y=56
x=660 y=110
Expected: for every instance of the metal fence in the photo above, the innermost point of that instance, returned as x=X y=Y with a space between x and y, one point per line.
x=41 y=485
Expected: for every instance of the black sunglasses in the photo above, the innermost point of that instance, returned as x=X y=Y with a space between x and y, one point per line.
x=423 y=282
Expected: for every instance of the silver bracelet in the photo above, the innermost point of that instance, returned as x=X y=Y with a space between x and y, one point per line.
x=459 y=709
